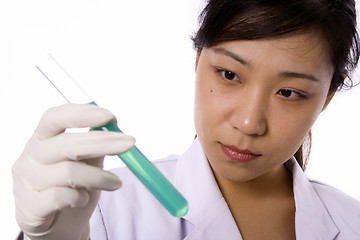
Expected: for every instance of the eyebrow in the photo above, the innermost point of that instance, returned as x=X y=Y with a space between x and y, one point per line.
x=232 y=55
x=247 y=64
x=299 y=75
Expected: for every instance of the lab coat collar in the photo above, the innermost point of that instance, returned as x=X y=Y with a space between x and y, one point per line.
x=208 y=211
x=312 y=220
x=211 y=217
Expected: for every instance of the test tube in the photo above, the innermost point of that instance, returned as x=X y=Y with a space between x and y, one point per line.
x=134 y=159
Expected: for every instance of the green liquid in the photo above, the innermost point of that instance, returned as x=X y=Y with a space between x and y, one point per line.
x=151 y=177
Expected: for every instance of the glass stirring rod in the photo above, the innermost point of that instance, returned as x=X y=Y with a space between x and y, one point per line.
x=134 y=159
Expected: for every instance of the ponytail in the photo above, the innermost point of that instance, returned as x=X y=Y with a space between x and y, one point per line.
x=303 y=153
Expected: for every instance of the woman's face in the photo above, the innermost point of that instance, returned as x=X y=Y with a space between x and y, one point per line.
x=256 y=101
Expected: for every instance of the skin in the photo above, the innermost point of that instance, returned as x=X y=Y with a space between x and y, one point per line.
x=261 y=96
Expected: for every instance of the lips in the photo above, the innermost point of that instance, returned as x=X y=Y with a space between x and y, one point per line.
x=239 y=155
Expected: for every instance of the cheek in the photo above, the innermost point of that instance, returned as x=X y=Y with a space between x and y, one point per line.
x=207 y=106
x=291 y=129
x=202 y=109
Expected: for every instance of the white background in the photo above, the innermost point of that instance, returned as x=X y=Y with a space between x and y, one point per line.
x=135 y=58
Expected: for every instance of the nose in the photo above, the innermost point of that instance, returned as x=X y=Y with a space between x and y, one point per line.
x=249 y=114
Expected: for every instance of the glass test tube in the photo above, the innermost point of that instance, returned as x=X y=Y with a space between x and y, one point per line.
x=134 y=159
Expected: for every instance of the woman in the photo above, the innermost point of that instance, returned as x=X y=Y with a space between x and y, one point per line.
x=264 y=72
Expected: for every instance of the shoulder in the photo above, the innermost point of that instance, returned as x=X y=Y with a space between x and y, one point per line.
x=343 y=209
x=333 y=196
x=132 y=207
x=165 y=165
x=133 y=192
x=132 y=188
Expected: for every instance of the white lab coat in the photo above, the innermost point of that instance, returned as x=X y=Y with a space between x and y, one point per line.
x=131 y=212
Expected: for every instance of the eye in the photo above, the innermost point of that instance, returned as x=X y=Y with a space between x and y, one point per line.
x=228 y=75
x=291 y=94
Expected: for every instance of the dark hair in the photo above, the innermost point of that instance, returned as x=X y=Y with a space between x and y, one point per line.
x=334 y=20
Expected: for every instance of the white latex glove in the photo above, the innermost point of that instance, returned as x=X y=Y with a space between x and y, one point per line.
x=58 y=178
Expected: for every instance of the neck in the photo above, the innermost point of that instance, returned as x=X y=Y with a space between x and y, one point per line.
x=264 y=207
x=274 y=184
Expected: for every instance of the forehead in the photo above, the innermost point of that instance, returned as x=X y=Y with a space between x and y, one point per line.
x=306 y=50
x=305 y=45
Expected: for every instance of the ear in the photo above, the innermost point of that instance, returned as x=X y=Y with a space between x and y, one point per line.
x=330 y=96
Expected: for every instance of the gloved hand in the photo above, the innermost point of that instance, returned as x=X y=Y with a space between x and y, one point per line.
x=58 y=177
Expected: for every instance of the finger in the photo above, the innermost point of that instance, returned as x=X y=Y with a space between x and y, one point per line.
x=56 y=204
x=79 y=146
x=43 y=204
x=70 y=174
x=55 y=120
